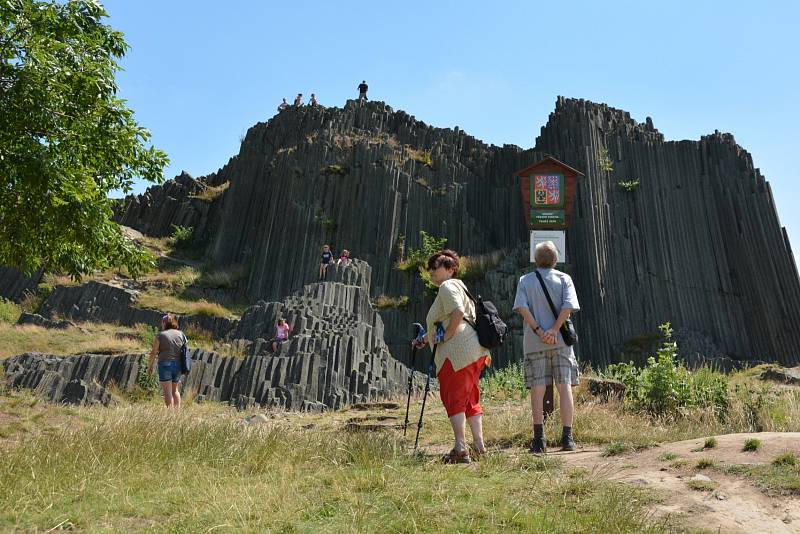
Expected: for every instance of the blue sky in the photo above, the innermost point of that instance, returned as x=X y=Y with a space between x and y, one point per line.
x=199 y=73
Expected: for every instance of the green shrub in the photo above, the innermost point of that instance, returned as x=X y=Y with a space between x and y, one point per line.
x=9 y=311
x=328 y=224
x=616 y=448
x=702 y=485
x=785 y=460
x=506 y=383
x=710 y=443
x=665 y=385
x=606 y=165
x=751 y=445
x=182 y=236
x=422 y=156
x=417 y=260
x=629 y=186
x=704 y=463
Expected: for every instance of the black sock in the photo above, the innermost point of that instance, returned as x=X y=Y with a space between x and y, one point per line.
x=538 y=431
x=567 y=431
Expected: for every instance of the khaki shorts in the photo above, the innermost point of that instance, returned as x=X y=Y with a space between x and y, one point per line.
x=556 y=366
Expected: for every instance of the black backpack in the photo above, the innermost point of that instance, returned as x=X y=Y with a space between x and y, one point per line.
x=490 y=327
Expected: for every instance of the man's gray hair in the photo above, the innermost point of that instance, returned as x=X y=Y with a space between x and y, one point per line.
x=546 y=254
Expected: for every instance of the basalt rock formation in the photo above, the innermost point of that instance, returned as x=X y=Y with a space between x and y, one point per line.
x=691 y=236
x=335 y=355
x=695 y=240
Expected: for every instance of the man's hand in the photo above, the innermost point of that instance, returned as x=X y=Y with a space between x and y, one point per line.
x=550 y=336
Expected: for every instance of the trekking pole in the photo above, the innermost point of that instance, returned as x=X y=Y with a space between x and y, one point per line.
x=419 y=333
x=439 y=337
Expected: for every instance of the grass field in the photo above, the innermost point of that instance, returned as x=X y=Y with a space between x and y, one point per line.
x=139 y=467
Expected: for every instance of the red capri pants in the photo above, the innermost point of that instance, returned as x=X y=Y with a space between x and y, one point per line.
x=459 y=389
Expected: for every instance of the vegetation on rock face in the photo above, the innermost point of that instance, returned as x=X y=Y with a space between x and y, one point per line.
x=182 y=236
x=334 y=169
x=385 y=302
x=210 y=193
x=66 y=140
x=606 y=165
x=629 y=185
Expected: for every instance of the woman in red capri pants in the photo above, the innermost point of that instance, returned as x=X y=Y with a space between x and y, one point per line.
x=459 y=357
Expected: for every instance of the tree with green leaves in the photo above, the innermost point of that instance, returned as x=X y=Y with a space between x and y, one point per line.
x=66 y=140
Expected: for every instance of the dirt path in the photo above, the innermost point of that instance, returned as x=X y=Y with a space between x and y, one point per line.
x=736 y=505
x=733 y=503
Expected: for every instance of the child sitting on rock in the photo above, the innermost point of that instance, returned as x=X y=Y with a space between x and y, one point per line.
x=282 y=330
x=344 y=260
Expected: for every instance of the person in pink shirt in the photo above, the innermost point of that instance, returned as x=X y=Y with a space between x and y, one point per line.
x=344 y=260
x=282 y=330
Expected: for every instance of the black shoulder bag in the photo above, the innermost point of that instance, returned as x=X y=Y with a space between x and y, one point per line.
x=567 y=329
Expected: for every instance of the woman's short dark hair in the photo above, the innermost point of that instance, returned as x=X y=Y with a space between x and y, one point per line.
x=170 y=322
x=444 y=258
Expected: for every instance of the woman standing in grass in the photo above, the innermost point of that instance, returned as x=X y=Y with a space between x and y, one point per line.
x=459 y=356
x=167 y=346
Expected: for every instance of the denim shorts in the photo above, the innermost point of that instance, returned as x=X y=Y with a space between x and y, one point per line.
x=169 y=371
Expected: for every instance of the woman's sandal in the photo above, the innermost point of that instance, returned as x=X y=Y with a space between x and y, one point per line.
x=456 y=457
x=476 y=453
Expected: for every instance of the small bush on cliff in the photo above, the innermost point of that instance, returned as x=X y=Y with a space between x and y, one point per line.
x=665 y=385
x=422 y=156
x=606 y=165
x=630 y=186
x=385 y=302
x=182 y=236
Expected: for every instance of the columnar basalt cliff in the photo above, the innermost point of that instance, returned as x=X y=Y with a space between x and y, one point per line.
x=697 y=243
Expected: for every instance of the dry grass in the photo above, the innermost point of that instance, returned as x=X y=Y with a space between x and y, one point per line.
x=384 y=302
x=108 y=473
x=166 y=302
x=222 y=277
x=211 y=192
x=87 y=338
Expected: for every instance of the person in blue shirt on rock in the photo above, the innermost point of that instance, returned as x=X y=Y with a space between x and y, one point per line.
x=547 y=358
x=324 y=261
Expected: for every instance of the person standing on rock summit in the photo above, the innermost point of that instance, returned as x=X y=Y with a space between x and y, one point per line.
x=325 y=260
x=548 y=359
x=167 y=346
x=283 y=105
x=298 y=100
x=459 y=356
x=362 y=90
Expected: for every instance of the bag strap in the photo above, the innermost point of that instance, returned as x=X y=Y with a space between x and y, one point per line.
x=547 y=294
x=473 y=324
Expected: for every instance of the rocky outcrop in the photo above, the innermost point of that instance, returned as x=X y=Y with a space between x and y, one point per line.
x=37 y=320
x=697 y=243
x=103 y=302
x=14 y=284
x=84 y=379
x=335 y=355
x=782 y=375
